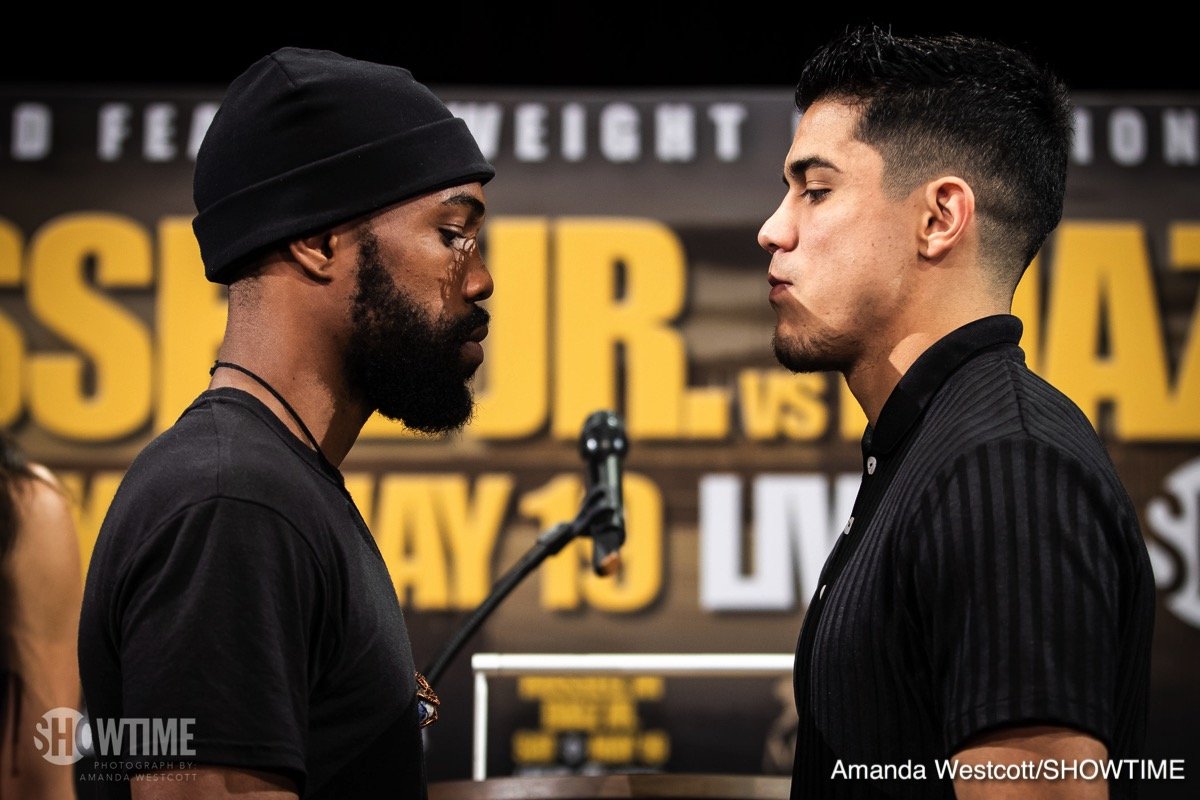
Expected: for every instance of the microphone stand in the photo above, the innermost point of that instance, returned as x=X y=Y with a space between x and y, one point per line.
x=593 y=517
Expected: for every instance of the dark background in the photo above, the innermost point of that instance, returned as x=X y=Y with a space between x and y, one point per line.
x=579 y=45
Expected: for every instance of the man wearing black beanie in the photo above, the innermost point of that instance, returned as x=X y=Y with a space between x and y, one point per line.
x=235 y=593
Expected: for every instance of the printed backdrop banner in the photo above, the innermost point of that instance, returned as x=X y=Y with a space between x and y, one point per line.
x=622 y=238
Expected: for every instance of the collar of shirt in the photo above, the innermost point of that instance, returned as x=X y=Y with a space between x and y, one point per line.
x=927 y=374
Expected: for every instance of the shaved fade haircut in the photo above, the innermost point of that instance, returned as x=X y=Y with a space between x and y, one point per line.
x=940 y=105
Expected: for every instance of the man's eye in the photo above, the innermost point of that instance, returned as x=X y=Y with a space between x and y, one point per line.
x=459 y=241
x=814 y=195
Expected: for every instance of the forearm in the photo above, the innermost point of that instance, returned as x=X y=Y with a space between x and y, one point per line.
x=1030 y=744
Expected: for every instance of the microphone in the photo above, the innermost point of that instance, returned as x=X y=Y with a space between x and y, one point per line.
x=603 y=445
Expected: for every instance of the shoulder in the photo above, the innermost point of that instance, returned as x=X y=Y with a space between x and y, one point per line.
x=46 y=531
x=995 y=402
x=1055 y=437
x=1054 y=420
x=221 y=552
x=43 y=566
x=223 y=447
x=43 y=497
x=1002 y=445
x=220 y=484
x=1023 y=495
x=218 y=439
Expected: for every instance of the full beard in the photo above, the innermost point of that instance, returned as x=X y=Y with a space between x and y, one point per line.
x=403 y=364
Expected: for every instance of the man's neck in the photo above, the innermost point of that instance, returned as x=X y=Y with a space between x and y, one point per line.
x=874 y=376
x=322 y=403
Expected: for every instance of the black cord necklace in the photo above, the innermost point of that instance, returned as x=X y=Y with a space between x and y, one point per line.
x=427 y=700
x=312 y=439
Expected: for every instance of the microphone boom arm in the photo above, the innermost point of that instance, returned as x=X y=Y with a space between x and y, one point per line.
x=597 y=508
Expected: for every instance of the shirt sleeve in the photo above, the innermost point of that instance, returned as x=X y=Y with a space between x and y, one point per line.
x=1017 y=580
x=219 y=620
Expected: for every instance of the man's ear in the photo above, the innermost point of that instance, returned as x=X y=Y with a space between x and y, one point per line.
x=947 y=213
x=316 y=254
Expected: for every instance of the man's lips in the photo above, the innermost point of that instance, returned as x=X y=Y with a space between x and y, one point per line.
x=471 y=348
x=779 y=287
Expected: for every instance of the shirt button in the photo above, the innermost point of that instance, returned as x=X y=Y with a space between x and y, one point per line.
x=871 y=462
x=850 y=524
x=821 y=594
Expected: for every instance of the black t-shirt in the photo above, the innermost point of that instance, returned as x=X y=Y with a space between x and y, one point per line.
x=234 y=583
x=993 y=574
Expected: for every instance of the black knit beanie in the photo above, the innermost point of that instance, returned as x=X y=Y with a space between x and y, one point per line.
x=308 y=139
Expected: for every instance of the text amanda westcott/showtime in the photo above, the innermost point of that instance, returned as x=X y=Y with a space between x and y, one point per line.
x=1047 y=769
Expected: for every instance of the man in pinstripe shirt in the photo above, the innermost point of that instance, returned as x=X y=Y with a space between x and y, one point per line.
x=990 y=601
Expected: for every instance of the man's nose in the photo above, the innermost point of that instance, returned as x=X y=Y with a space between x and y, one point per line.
x=479 y=284
x=776 y=233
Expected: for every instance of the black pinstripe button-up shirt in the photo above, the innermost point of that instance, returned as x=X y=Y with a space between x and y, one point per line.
x=993 y=573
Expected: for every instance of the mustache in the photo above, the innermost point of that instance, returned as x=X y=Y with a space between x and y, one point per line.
x=462 y=329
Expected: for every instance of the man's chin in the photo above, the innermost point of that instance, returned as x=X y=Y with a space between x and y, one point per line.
x=795 y=357
x=447 y=414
